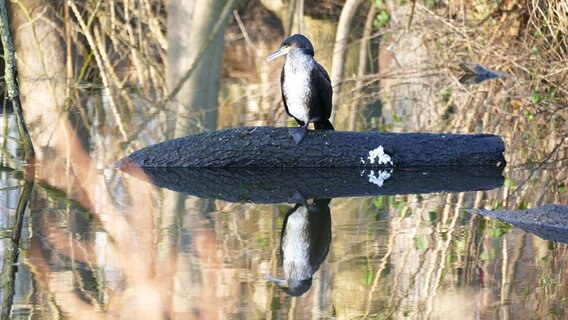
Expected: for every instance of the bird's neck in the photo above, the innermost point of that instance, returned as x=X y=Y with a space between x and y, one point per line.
x=297 y=61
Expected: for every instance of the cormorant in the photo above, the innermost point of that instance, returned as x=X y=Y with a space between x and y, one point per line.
x=304 y=244
x=306 y=87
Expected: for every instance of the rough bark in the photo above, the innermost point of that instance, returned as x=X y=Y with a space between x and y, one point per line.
x=273 y=147
x=262 y=185
x=549 y=222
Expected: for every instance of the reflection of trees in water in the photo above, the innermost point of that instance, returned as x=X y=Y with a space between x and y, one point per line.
x=389 y=253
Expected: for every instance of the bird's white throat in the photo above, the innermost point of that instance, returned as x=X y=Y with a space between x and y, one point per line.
x=296 y=246
x=298 y=68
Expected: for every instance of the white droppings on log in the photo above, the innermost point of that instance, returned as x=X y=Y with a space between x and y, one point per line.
x=379 y=153
x=380 y=178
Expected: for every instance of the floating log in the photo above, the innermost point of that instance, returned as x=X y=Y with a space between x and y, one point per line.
x=549 y=222
x=270 y=185
x=274 y=147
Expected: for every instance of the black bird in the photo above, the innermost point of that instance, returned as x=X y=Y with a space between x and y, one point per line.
x=306 y=87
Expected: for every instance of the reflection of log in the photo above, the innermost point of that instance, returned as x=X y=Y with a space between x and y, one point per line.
x=273 y=147
x=280 y=185
x=549 y=222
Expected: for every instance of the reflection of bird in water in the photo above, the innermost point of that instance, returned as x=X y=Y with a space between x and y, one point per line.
x=306 y=87
x=304 y=244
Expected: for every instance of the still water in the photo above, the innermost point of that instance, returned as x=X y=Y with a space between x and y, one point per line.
x=145 y=252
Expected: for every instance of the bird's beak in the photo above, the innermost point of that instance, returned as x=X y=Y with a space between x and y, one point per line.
x=282 y=283
x=280 y=52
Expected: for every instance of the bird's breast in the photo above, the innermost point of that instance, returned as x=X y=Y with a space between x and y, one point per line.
x=296 y=89
x=296 y=245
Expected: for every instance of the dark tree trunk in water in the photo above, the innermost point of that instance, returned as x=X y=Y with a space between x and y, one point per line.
x=272 y=185
x=273 y=147
x=549 y=222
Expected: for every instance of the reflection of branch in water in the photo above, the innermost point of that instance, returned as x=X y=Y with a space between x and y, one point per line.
x=379 y=272
x=439 y=264
x=12 y=252
x=539 y=166
x=405 y=277
x=62 y=235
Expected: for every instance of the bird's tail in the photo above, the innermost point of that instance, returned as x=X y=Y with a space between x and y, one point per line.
x=323 y=125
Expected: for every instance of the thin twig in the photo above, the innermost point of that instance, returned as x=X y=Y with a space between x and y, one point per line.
x=243 y=30
x=101 y=65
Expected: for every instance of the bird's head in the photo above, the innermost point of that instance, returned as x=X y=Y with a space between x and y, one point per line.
x=294 y=42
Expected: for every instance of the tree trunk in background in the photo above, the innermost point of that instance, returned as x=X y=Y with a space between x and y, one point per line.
x=189 y=25
x=340 y=48
x=405 y=78
x=364 y=52
x=40 y=52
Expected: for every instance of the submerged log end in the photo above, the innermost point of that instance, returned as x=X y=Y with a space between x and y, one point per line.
x=274 y=147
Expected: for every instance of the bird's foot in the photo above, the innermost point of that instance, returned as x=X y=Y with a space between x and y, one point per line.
x=298 y=197
x=298 y=133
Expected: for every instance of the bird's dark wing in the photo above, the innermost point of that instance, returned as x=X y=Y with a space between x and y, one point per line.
x=323 y=88
x=319 y=232
x=322 y=69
